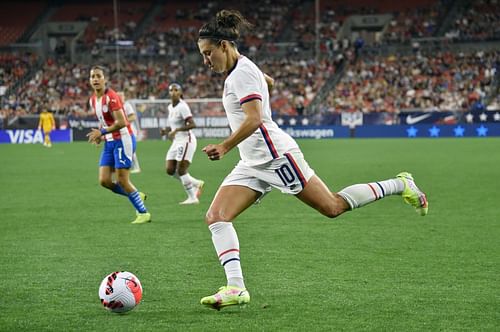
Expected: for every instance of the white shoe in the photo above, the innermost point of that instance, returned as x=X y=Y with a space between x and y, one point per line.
x=190 y=201
x=135 y=170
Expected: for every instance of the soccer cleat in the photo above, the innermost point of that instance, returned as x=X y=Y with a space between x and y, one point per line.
x=190 y=201
x=227 y=296
x=135 y=170
x=143 y=196
x=412 y=195
x=142 y=218
x=199 y=188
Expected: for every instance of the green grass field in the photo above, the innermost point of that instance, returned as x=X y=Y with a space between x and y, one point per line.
x=379 y=268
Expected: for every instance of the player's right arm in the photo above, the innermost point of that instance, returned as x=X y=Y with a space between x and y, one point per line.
x=253 y=119
x=129 y=110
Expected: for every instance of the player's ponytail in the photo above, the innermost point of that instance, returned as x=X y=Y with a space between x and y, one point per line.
x=227 y=25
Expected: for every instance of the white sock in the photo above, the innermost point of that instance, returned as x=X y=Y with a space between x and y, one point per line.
x=188 y=185
x=227 y=247
x=359 y=195
x=195 y=181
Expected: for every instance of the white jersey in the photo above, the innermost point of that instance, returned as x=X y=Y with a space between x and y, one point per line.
x=246 y=82
x=177 y=116
x=129 y=110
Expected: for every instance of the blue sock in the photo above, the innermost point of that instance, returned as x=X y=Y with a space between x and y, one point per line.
x=137 y=202
x=117 y=189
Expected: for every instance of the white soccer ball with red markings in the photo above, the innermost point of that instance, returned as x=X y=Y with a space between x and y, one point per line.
x=120 y=291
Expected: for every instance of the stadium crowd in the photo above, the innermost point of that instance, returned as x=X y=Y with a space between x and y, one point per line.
x=440 y=82
x=282 y=44
x=480 y=20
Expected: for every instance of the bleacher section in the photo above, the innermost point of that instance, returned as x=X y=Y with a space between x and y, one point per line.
x=166 y=51
x=16 y=17
x=100 y=16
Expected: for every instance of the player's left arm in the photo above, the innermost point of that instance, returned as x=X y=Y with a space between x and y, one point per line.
x=52 y=121
x=188 y=125
x=120 y=122
x=269 y=81
x=253 y=119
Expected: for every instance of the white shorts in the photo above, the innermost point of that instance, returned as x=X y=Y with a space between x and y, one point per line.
x=182 y=150
x=288 y=173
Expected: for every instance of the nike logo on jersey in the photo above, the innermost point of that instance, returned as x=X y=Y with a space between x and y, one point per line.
x=412 y=120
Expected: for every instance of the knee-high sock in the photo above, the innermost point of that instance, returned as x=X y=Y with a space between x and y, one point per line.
x=188 y=185
x=194 y=181
x=117 y=189
x=359 y=195
x=227 y=247
x=137 y=202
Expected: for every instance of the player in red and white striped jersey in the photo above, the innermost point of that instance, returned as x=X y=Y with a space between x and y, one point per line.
x=120 y=143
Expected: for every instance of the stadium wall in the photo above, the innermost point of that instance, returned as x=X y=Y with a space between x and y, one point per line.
x=33 y=136
x=348 y=125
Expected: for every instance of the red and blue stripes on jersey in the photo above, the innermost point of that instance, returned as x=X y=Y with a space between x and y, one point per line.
x=296 y=170
x=269 y=142
x=251 y=97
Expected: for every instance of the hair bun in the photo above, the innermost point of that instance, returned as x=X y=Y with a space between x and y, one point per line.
x=227 y=19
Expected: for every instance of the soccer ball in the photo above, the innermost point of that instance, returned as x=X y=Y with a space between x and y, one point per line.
x=120 y=291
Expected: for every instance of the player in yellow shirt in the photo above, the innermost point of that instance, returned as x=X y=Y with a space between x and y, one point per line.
x=47 y=123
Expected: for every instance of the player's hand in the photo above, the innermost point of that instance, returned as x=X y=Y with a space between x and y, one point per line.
x=171 y=134
x=94 y=136
x=164 y=131
x=215 y=151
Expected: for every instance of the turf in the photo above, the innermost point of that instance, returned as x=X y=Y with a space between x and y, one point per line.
x=381 y=268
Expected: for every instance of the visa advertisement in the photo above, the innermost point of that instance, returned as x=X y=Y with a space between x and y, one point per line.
x=33 y=136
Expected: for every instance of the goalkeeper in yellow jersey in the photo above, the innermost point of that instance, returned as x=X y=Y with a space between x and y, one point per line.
x=47 y=123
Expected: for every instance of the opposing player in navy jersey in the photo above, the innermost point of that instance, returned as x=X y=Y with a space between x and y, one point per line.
x=180 y=154
x=269 y=157
x=119 y=146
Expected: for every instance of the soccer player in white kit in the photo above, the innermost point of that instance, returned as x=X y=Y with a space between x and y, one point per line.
x=180 y=154
x=269 y=157
x=132 y=118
